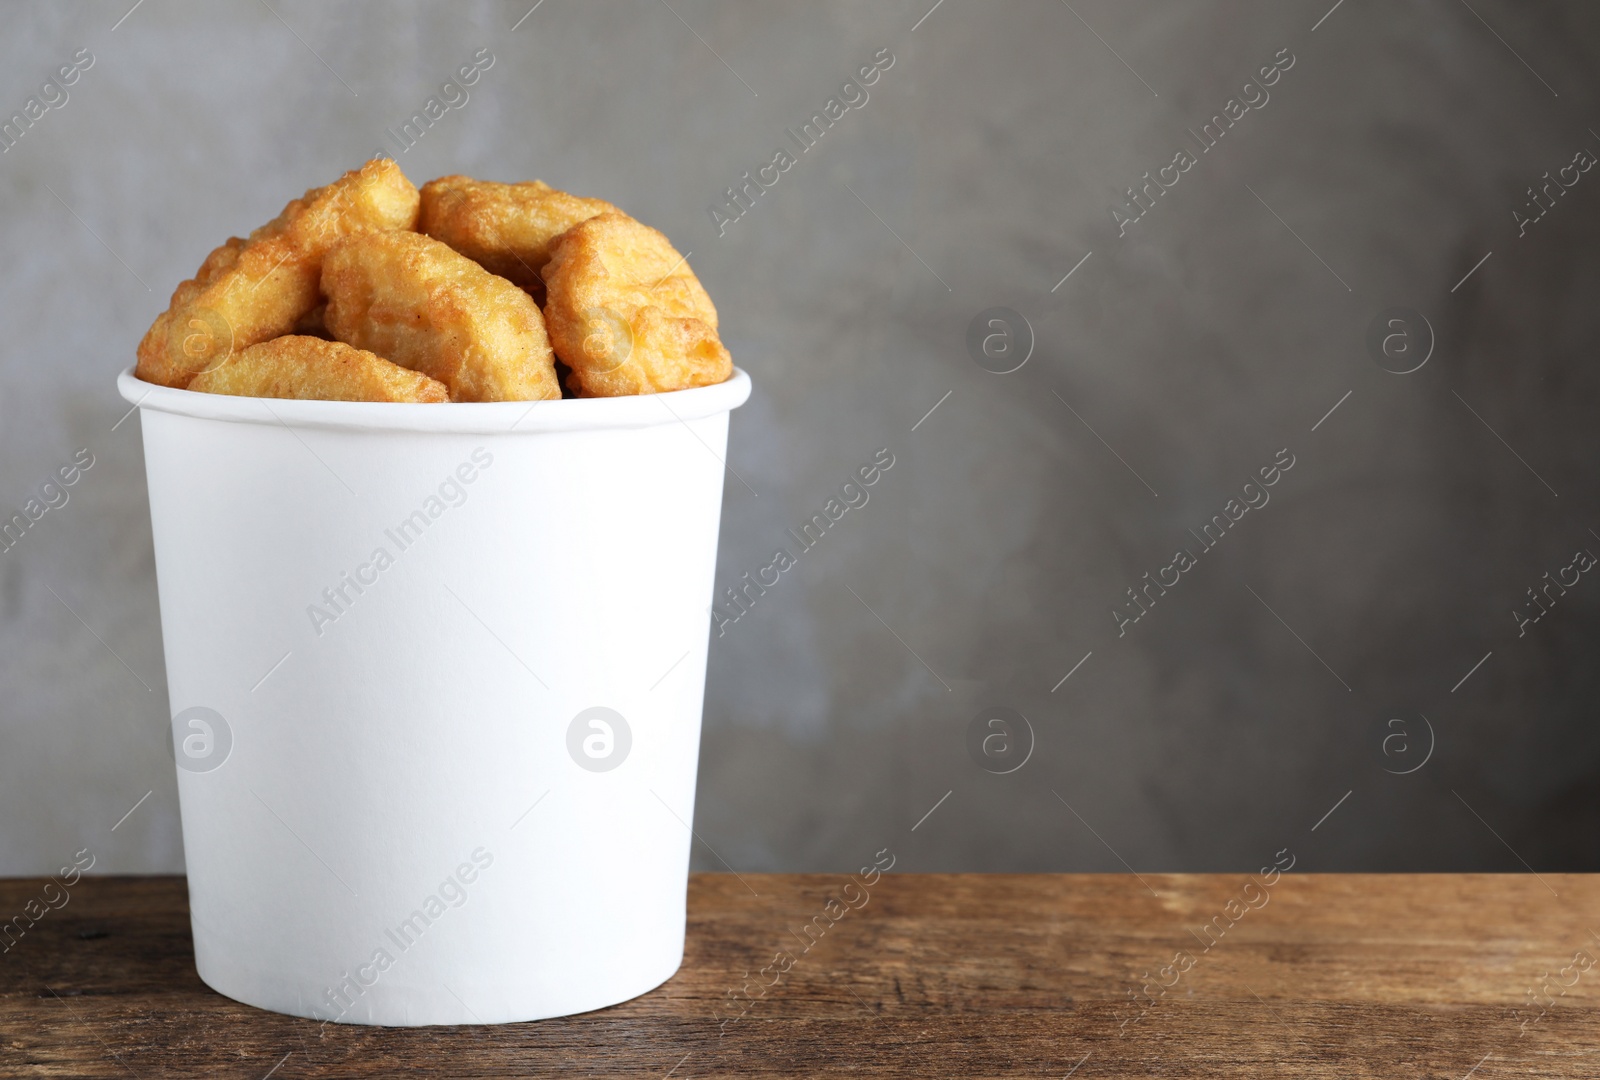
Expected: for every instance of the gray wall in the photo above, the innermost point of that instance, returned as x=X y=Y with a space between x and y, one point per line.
x=1167 y=369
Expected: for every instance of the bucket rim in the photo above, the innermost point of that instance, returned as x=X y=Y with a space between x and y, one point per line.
x=463 y=418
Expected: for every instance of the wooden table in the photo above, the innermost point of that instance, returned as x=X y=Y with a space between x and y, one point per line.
x=934 y=975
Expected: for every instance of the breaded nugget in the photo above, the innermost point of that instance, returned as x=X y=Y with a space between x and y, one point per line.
x=627 y=314
x=505 y=228
x=308 y=367
x=411 y=299
x=313 y=323
x=249 y=291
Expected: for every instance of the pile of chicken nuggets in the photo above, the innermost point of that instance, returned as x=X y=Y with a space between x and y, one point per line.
x=369 y=290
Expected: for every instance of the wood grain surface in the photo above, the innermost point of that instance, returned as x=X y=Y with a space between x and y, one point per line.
x=1344 y=976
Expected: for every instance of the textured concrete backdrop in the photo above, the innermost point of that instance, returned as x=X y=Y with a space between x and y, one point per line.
x=1173 y=363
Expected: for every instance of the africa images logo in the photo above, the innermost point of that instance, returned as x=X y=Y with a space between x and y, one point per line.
x=739 y=599
x=452 y=492
x=598 y=739
x=739 y=200
x=201 y=739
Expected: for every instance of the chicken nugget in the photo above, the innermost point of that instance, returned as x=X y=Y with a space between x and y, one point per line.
x=249 y=291
x=306 y=367
x=412 y=299
x=505 y=228
x=627 y=314
x=313 y=323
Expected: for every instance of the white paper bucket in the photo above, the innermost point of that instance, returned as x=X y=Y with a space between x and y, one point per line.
x=436 y=674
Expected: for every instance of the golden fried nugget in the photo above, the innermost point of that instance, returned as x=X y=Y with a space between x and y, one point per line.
x=412 y=299
x=627 y=314
x=505 y=228
x=313 y=323
x=308 y=367
x=249 y=291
